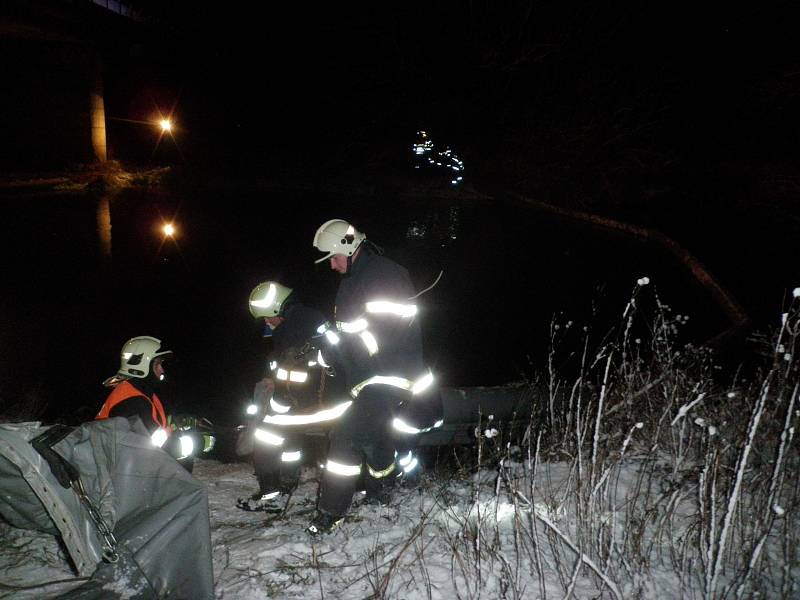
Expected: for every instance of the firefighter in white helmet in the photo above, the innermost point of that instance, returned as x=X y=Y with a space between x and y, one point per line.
x=376 y=334
x=292 y=386
x=140 y=374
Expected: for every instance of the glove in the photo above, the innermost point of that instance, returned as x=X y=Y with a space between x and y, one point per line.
x=183 y=422
x=305 y=349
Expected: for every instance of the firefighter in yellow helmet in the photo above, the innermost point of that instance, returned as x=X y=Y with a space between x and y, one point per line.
x=291 y=385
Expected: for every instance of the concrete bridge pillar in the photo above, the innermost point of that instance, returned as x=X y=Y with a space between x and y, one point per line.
x=97 y=113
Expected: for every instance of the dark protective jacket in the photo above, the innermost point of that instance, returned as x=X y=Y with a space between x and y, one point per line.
x=300 y=325
x=297 y=384
x=373 y=277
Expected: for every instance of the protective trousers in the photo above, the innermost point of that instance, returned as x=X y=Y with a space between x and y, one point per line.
x=278 y=467
x=361 y=440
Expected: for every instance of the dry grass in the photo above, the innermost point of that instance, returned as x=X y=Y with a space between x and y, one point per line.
x=640 y=474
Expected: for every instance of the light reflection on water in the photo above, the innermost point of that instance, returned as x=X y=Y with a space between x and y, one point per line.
x=104 y=226
x=441 y=229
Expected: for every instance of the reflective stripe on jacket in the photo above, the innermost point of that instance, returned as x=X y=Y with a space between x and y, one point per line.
x=398 y=340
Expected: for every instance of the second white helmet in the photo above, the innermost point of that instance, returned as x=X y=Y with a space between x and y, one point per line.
x=337 y=237
x=137 y=355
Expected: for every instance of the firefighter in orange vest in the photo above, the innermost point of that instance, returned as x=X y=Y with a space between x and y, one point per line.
x=133 y=395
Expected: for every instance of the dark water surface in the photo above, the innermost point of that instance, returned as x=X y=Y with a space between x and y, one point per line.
x=67 y=306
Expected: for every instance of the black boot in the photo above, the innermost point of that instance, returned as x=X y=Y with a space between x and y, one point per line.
x=379 y=491
x=270 y=502
x=411 y=478
x=323 y=523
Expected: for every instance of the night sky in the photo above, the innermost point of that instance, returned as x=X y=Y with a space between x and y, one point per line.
x=659 y=115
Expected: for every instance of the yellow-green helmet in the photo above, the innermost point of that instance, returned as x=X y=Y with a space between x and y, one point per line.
x=337 y=237
x=267 y=299
x=137 y=354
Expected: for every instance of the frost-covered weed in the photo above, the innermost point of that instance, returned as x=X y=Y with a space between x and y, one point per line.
x=641 y=471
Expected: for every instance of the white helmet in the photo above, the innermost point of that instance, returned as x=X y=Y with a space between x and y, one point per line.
x=267 y=299
x=137 y=354
x=337 y=237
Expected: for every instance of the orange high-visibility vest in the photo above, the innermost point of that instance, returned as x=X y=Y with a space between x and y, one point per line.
x=124 y=390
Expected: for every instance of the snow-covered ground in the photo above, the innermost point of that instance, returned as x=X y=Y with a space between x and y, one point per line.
x=426 y=544
x=418 y=547
x=497 y=533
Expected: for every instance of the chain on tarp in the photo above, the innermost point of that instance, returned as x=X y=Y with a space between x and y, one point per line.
x=69 y=477
x=110 y=554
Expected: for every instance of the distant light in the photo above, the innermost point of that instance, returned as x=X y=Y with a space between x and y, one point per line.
x=166 y=125
x=444 y=159
x=168 y=229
